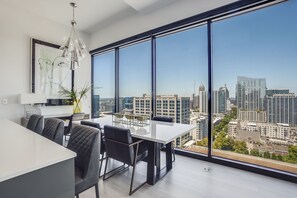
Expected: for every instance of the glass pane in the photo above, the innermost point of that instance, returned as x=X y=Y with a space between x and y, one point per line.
x=104 y=84
x=255 y=57
x=182 y=84
x=135 y=79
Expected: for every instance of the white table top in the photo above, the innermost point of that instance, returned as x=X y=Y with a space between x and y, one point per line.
x=23 y=151
x=161 y=132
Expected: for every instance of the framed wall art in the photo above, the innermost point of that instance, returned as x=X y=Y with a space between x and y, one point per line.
x=50 y=71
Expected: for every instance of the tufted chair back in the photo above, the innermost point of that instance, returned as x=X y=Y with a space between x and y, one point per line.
x=35 y=123
x=84 y=142
x=53 y=130
x=97 y=126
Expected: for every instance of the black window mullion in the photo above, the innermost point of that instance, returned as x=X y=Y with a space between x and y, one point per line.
x=92 y=86
x=209 y=54
x=117 y=80
x=153 y=58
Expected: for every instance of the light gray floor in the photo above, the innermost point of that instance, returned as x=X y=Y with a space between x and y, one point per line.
x=190 y=178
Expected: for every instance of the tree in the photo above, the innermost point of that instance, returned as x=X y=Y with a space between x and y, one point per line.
x=203 y=142
x=266 y=154
x=273 y=156
x=255 y=152
x=240 y=147
x=280 y=158
x=223 y=142
x=292 y=156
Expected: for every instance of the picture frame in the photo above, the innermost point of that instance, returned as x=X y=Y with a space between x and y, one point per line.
x=50 y=71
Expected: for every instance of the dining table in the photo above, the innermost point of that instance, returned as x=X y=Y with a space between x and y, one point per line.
x=155 y=134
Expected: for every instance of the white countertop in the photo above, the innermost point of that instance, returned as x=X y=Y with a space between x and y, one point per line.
x=23 y=151
x=162 y=132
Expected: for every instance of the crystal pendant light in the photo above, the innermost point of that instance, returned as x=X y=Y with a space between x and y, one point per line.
x=73 y=49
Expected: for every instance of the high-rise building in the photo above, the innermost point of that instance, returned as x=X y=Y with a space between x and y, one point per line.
x=215 y=101
x=195 y=102
x=142 y=105
x=252 y=116
x=96 y=106
x=126 y=103
x=270 y=92
x=250 y=95
x=223 y=96
x=167 y=105
x=203 y=100
x=232 y=128
x=282 y=108
x=202 y=127
x=201 y=88
x=220 y=100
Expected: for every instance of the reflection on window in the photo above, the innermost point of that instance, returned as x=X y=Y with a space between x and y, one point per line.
x=104 y=84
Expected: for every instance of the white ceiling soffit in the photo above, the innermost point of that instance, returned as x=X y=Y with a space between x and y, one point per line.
x=88 y=13
x=93 y=15
x=140 y=5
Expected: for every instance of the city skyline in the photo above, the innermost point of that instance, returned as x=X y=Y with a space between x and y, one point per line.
x=197 y=90
x=246 y=45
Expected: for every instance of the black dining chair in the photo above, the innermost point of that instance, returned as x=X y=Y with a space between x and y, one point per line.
x=35 y=123
x=68 y=128
x=121 y=147
x=166 y=119
x=84 y=141
x=53 y=130
x=102 y=145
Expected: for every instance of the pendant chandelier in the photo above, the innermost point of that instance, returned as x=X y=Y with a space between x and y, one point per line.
x=74 y=49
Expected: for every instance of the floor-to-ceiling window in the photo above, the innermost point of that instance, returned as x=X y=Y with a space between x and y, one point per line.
x=103 y=99
x=254 y=102
x=135 y=78
x=255 y=87
x=181 y=82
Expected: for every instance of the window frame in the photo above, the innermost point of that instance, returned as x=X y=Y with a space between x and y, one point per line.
x=207 y=18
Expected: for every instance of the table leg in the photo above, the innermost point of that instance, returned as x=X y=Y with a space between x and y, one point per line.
x=151 y=162
x=158 y=157
x=169 y=156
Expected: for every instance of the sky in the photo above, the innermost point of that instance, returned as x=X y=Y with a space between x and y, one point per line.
x=259 y=44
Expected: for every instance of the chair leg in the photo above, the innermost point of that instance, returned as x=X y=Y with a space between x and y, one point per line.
x=133 y=171
x=131 y=184
x=105 y=168
x=100 y=167
x=97 y=190
x=132 y=179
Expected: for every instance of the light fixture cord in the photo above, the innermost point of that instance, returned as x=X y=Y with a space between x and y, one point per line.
x=73 y=13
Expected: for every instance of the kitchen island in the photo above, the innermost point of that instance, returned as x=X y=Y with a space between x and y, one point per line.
x=32 y=166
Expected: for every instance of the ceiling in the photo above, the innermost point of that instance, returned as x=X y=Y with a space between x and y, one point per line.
x=97 y=13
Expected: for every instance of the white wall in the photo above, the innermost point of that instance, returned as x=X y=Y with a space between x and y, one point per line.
x=16 y=29
x=144 y=21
